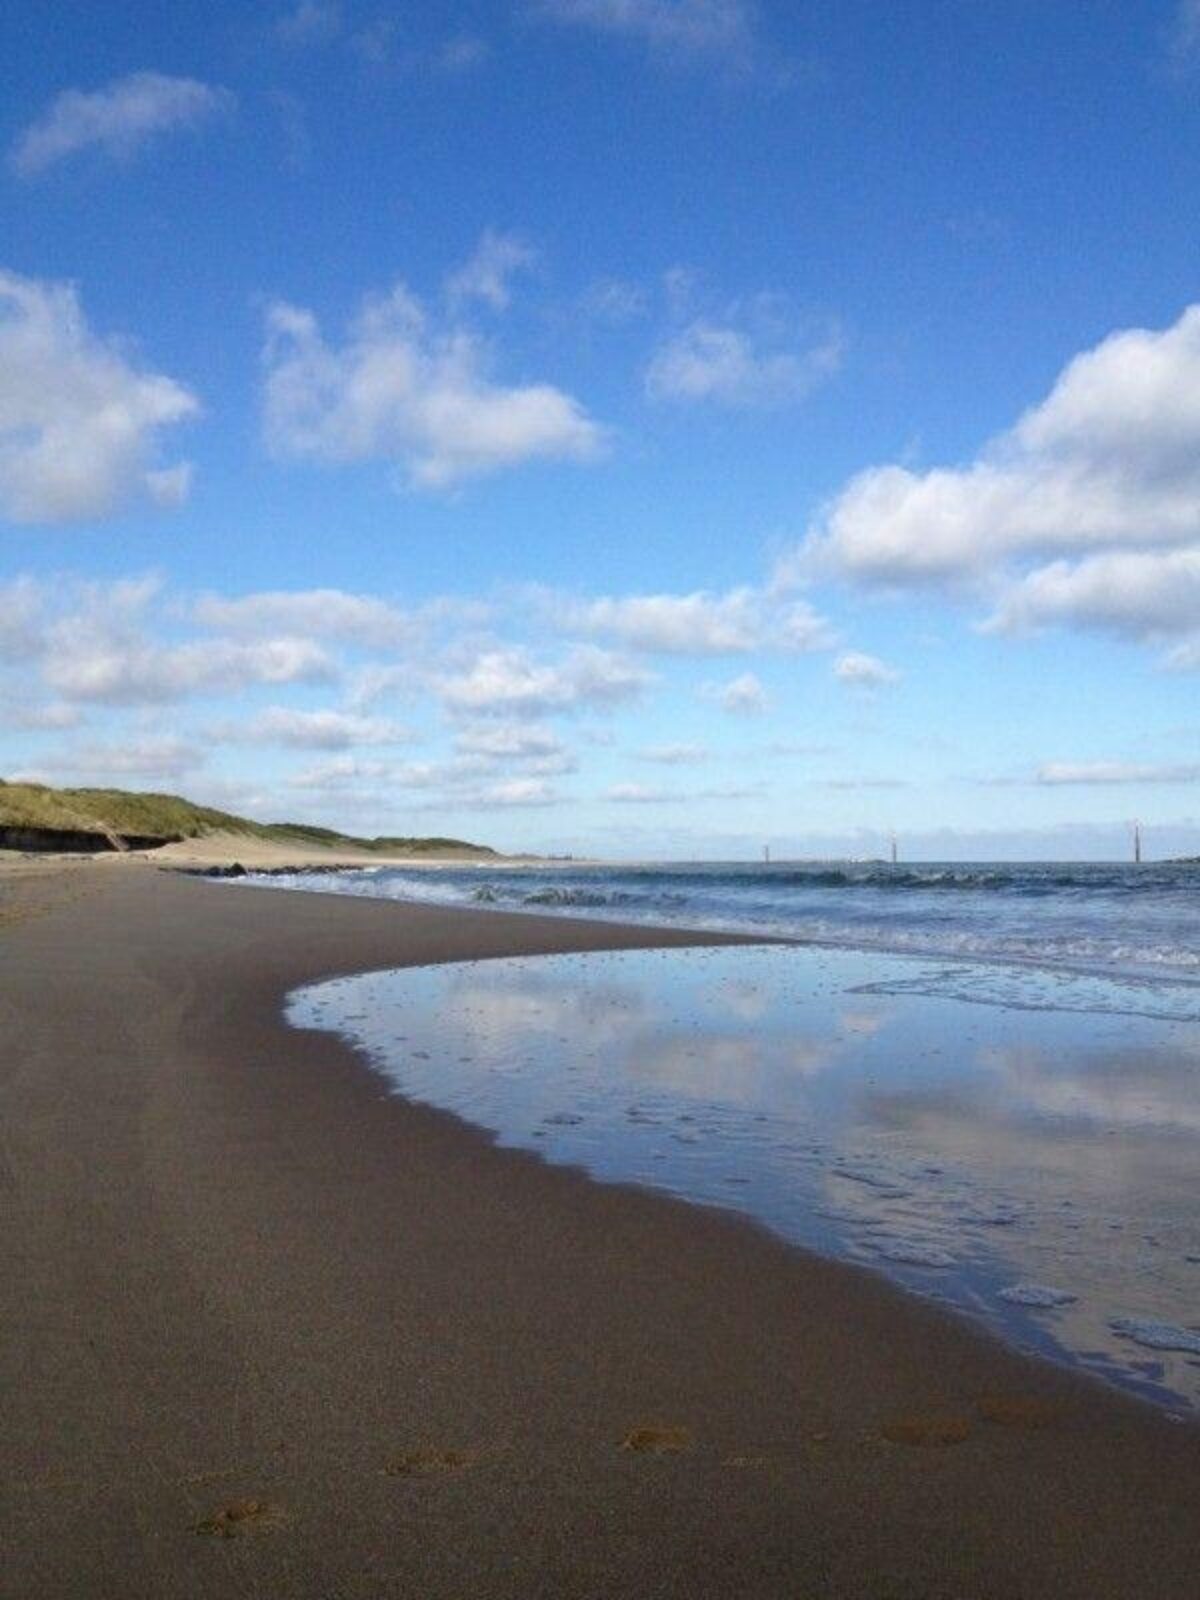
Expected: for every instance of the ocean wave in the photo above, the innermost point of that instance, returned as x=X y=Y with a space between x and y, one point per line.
x=1138 y=922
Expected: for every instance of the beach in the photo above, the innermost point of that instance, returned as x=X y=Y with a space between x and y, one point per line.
x=247 y=1292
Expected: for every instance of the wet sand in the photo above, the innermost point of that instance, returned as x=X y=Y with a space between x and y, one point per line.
x=268 y=1333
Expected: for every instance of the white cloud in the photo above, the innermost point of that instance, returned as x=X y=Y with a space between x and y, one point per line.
x=148 y=758
x=720 y=28
x=733 y=366
x=1140 y=594
x=509 y=680
x=533 y=749
x=20 y=617
x=516 y=792
x=862 y=671
x=637 y=794
x=513 y=740
x=317 y=730
x=614 y=301
x=1115 y=772
x=497 y=258
x=50 y=716
x=78 y=423
x=454 y=782
x=170 y=486
x=341 y=772
x=1086 y=512
x=400 y=390
x=734 y=623
x=90 y=665
x=358 y=619
x=119 y=119
x=741 y=696
x=309 y=22
x=98 y=650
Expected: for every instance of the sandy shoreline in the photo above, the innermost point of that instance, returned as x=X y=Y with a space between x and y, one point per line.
x=232 y=1270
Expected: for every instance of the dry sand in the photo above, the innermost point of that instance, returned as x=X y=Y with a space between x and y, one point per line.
x=209 y=850
x=267 y=1333
x=256 y=854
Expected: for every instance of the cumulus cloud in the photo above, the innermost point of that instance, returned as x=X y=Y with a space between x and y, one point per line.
x=312 y=613
x=98 y=649
x=78 y=422
x=156 y=757
x=510 y=680
x=20 y=617
x=532 y=748
x=1115 y=772
x=52 y=716
x=734 y=366
x=742 y=696
x=106 y=667
x=486 y=276
x=454 y=785
x=340 y=773
x=1086 y=512
x=720 y=28
x=862 y=671
x=317 y=730
x=701 y=623
x=1140 y=594
x=403 y=391
x=118 y=120
x=514 y=792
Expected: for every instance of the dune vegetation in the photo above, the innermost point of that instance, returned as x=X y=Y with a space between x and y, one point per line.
x=37 y=816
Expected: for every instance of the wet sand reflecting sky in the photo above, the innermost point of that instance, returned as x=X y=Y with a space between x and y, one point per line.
x=989 y=1136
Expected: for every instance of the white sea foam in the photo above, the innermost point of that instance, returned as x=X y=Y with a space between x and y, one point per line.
x=1038 y=1295
x=1156 y=1335
x=912 y=1253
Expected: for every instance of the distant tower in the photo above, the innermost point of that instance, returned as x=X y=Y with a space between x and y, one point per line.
x=767 y=855
x=893 y=849
x=1137 y=843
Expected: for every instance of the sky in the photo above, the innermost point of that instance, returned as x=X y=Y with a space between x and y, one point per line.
x=621 y=427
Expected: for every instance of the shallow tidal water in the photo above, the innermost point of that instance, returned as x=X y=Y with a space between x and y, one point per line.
x=1021 y=1144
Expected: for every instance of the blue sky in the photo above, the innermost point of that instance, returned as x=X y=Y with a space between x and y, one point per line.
x=629 y=426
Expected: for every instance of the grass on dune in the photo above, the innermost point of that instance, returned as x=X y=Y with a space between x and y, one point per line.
x=169 y=816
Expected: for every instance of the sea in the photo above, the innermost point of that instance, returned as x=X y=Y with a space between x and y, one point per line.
x=1117 y=918
x=979 y=1080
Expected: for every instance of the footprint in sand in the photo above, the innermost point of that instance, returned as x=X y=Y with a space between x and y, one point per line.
x=428 y=1463
x=927 y=1430
x=651 y=1439
x=240 y=1517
